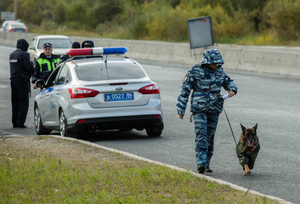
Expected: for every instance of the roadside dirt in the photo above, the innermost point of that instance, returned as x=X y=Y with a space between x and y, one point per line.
x=60 y=148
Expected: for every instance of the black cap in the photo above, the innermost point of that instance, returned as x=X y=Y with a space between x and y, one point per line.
x=47 y=45
x=86 y=44
x=75 y=45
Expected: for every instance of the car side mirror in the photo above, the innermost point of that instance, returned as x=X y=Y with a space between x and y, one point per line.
x=40 y=83
x=31 y=47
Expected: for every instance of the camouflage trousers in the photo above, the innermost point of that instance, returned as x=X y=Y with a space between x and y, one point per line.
x=205 y=128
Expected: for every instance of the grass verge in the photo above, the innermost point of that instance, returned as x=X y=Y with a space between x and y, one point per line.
x=51 y=170
x=267 y=39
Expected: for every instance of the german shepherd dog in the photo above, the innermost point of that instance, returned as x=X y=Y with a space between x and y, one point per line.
x=247 y=148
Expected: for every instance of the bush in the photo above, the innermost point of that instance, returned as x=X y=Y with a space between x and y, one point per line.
x=76 y=16
x=286 y=21
x=177 y=27
x=166 y=20
x=283 y=18
x=139 y=28
x=226 y=26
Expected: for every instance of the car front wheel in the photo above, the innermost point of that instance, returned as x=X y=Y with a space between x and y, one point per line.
x=38 y=124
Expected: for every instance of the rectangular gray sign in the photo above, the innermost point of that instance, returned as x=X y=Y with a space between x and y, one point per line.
x=200 y=32
x=7 y=15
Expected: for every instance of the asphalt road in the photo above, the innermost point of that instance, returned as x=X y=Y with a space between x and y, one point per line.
x=272 y=101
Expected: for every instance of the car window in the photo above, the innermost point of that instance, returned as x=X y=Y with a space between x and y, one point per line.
x=56 y=43
x=18 y=25
x=32 y=43
x=52 y=78
x=64 y=76
x=6 y=26
x=114 y=71
x=68 y=78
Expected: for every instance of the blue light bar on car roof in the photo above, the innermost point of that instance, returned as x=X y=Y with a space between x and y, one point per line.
x=97 y=51
x=114 y=50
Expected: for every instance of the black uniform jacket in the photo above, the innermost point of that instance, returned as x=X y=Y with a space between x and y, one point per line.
x=20 y=64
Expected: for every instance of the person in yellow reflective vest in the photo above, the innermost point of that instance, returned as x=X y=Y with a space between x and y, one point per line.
x=45 y=64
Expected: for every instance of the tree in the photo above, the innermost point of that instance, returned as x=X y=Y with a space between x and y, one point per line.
x=106 y=10
x=77 y=15
x=31 y=11
x=6 y=5
x=59 y=11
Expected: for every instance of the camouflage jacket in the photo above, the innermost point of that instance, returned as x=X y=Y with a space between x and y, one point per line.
x=206 y=85
x=242 y=152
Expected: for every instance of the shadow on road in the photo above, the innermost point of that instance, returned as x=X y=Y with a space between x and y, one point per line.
x=115 y=135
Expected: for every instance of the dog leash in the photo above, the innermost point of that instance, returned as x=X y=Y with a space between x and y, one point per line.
x=230 y=126
x=233 y=134
x=191 y=120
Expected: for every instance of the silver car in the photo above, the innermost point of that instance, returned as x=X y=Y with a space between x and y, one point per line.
x=98 y=93
x=15 y=26
x=60 y=45
x=5 y=24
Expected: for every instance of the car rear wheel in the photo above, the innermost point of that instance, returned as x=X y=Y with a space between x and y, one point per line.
x=38 y=124
x=154 y=131
x=63 y=126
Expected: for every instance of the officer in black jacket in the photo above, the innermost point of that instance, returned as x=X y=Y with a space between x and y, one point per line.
x=21 y=69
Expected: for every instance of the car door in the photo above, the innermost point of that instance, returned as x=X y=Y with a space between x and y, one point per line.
x=44 y=99
x=56 y=98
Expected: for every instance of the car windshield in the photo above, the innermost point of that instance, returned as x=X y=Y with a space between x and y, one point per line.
x=56 y=43
x=114 y=71
x=18 y=25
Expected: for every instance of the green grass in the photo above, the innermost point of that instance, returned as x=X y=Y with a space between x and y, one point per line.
x=267 y=39
x=50 y=170
x=258 y=40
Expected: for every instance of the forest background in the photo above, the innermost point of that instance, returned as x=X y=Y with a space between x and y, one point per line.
x=244 y=22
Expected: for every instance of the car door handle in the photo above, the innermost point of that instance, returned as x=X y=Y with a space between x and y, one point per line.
x=57 y=92
x=45 y=96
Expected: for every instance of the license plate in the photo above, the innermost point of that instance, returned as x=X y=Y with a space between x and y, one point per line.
x=119 y=96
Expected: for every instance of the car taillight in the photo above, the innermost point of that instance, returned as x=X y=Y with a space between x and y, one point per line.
x=26 y=30
x=150 y=89
x=11 y=30
x=82 y=93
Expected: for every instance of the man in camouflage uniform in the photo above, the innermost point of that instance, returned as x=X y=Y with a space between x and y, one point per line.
x=206 y=80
